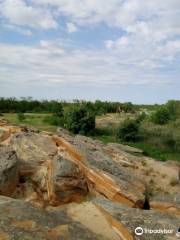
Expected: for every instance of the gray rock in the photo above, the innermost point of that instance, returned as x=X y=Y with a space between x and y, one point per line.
x=131 y=218
x=68 y=181
x=32 y=148
x=96 y=158
x=20 y=220
x=9 y=170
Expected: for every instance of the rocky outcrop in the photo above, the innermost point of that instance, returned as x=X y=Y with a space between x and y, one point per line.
x=167 y=203
x=104 y=175
x=67 y=183
x=33 y=149
x=20 y=220
x=95 y=220
x=126 y=220
x=9 y=171
x=74 y=187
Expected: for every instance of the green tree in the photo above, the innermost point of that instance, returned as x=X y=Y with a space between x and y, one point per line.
x=127 y=107
x=173 y=107
x=80 y=120
x=161 y=116
x=57 y=109
x=128 y=131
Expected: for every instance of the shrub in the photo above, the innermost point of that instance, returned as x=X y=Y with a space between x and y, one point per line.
x=80 y=120
x=141 y=117
x=21 y=117
x=128 y=107
x=128 y=131
x=57 y=109
x=173 y=107
x=161 y=116
x=54 y=120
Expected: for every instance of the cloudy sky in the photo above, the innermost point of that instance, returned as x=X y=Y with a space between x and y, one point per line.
x=126 y=50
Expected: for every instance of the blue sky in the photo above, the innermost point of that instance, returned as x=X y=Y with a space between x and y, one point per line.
x=118 y=50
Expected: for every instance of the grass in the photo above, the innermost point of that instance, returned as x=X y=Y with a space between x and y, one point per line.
x=148 y=149
x=156 y=152
x=32 y=119
x=161 y=142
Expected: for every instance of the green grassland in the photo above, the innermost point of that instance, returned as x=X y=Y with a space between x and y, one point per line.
x=161 y=142
x=32 y=119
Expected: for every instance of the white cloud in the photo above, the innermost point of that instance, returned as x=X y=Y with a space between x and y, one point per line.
x=109 y=44
x=123 y=41
x=17 y=12
x=147 y=43
x=151 y=20
x=14 y=28
x=153 y=17
x=44 y=43
x=51 y=63
x=146 y=25
x=71 y=27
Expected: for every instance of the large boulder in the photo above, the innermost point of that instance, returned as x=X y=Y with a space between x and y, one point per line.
x=4 y=134
x=67 y=182
x=35 y=152
x=106 y=175
x=49 y=178
x=33 y=149
x=95 y=220
x=125 y=220
x=166 y=203
x=9 y=170
x=20 y=220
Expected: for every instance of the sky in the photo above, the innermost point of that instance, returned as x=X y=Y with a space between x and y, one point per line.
x=115 y=50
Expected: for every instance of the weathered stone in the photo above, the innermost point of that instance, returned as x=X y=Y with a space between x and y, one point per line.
x=166 y=203
x=20 y=220
x=4 y=134
x=126 y=220
x=67 y=182
x=106 y=175
x=63 y=133
x=33 y=149
x=9 y=171
x=63 y=169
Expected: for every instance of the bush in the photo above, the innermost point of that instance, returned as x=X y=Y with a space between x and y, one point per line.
x=161 y=116
x=173 y=108
x=141 y=117
x=128 y=131
x=128 y=107
x=57 y=109
x=80 y=120
x=54 y=120
x=21 y=117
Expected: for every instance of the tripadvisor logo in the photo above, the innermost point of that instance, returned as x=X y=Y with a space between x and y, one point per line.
x=139 y=231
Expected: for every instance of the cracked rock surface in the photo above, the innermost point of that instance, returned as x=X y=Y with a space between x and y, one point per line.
x=59 y=186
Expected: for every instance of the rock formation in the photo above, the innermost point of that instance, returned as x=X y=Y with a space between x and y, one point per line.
x=59 y=186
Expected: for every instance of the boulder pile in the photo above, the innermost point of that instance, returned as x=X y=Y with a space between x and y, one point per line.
x=60 y=186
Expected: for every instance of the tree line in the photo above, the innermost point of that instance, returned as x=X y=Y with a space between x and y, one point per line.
x=23 y=105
